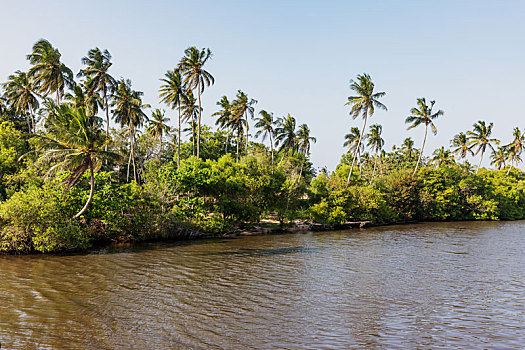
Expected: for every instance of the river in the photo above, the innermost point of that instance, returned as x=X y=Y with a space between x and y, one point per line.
x=433 y=285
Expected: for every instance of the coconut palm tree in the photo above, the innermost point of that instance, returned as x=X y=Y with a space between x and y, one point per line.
x=20 y=93
x=498 y=158
x=224 y=118
x=353 y=144
x=375 y=142
x=304 y=142
x=158 y=127
x=513 y=158
x=128 y=111
x=408 y=147
x=49 y=74
x=364 y=103
x=460 y=142
x=173 y=93
x=480 y=138
x=518 y=142
x=190 y=113
x=442 y=156
x=243 y=106
x=75 y=142
x=285 y=135
x=99 y=81
x=265 y=127
x=423 y=115
x=196 y=78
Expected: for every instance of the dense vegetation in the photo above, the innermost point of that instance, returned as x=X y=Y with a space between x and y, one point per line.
x=69 y=180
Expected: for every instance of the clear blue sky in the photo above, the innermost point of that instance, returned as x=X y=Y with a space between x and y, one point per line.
x=298 y=56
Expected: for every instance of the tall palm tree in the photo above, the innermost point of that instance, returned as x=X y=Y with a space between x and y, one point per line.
x=173 y=93
x=265 y=128
x=128 y=111
x=304 y=142
x=353 y=144
x=190 y=113
x=99 y=81
x=21 y=96
x=224 y=118
x=423 y=115
x=442 y=156
x=498 y=158
x=74 y=141
x=518 y=142
x=158 y=127
x=49 y=74
x=243 y=106
x=364 y=103
x=196 y=78
x=285 y=135
x=460 y=142
x=375 y=142
x=480 y=138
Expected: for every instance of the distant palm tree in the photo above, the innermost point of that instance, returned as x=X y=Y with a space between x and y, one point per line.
x=480 y=138
x=518 y=142
x=20 y=93
x=423 y=115
x=364 y=103
x=442 y=156
x=74 y=141
x=498 y=157
x=99 y=81
x=265 y=125
x=375 y=142
x=460 y=142
x=285 y=135
x=173 y=93
x=408 y=147
x=195 y=77
x=304 y=142
x=243 y=106
x=78 y=98
x=190 y=113
x=158 y=127
x=128 y=111
x=49 y=74
x=513 y=158
x=224 y=118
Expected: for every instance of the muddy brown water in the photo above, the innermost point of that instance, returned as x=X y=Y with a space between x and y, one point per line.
x=434 y=285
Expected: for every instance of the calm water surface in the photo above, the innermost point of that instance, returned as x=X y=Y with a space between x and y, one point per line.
x=450 y=285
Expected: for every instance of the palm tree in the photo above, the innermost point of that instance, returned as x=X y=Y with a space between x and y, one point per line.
x=224 y=118
x=285 y=135
x=75 y=142
x=480 y=138
x=408 y=147
x=460 y=142
x=513 y=158
x=442 y=156
x=128 y=106
x=498 y=157
x=49 y=74
x=99 y=81
x=375 y=142
x=195 y=77
x=353 y=144
x=517 y=143
x=190 y=112
x=364 y=103
x=243 y=106
x=304 y=142
x=21 y=96
x=173 y=93
x=3 y=106
x=265 y=125
x=423 y=115
x=158 y=127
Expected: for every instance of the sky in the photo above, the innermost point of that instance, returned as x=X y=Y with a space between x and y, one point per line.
x=298 y=57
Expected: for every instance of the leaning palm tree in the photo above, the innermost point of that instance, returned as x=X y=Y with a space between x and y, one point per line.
x=460 y=144
x=99 y=81
x=442 y=157
x=49 y=74
x=498 y=158
x=20 y=93
x=158 y=127
x=195 y=77
x=513 y=158
x=518 y=143
x=480 y=138
x=75 y=142
x=265 y=128
x=243 y=106
x=128 y=106
x=353 y=144
x=423 y=115
x=173 y=93
x=304 y=142
x=375 y=142
x=285 y=135
x=364 y=103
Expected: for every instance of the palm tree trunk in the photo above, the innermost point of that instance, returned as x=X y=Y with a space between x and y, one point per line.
x=129 y=164
x=271 y=146
x=422 y=148
x=357 y=150
x=91 y=191
x=178 y=142
x=238 y=141
x=227 y=141
x=247 y=128
x=508 y=171
x=199 y=125
x=375 y=166
x=480 y=160
x=160 y=147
